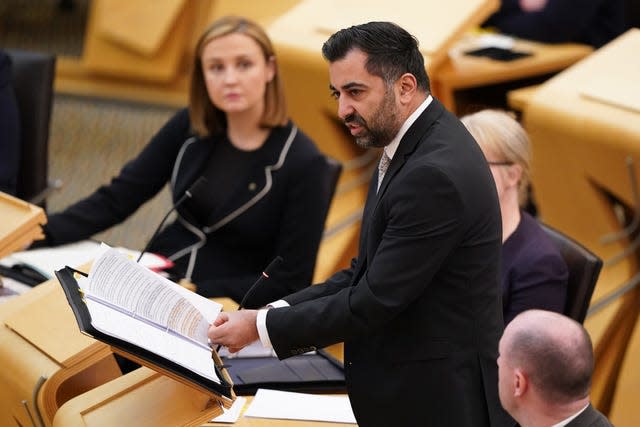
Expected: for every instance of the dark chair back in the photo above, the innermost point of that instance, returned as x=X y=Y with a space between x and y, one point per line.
x=331 y=182
x=33 y=75
x=584 y=269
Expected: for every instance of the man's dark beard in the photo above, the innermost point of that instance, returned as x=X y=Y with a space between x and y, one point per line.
x=383 y=126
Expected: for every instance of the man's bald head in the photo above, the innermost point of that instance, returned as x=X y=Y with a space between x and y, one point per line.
x=555 y=352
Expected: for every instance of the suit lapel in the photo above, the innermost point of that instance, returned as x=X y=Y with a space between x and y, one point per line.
x=410 y=141
x=407 y=146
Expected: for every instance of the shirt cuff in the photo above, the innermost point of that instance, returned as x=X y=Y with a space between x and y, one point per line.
x=261 y=322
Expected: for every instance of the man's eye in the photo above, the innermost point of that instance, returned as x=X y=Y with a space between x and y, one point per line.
x=335 y=94
x=355 y=92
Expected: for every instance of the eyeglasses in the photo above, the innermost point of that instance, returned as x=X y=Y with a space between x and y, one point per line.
x=502 y=163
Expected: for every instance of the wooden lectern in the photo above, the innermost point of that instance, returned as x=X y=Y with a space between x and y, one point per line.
x=45 y=359
x=20 y=224
x=53 y=375
x=584 y=126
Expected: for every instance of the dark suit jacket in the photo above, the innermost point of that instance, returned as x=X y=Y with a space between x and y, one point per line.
x=590 y=418
x=419 y=310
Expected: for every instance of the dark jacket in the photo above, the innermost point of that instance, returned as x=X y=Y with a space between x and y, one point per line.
x=534 y=274
x=419 y=309
x=279 y=210
x=593 y=22
x=590 y=417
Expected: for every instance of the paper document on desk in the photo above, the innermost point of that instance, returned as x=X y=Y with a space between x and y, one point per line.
x=232 y=414
x=48 y=260
x=300 y=406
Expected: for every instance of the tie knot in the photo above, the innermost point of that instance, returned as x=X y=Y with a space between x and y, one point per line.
x=382 y=167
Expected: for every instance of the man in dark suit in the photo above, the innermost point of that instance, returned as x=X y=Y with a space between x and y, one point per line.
x=419 y=309
x=545 y=368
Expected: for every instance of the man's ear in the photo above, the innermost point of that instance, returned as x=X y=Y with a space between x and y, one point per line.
x=520 y=383
x=407 y=87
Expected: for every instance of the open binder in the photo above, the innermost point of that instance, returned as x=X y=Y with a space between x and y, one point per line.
x=216 y=384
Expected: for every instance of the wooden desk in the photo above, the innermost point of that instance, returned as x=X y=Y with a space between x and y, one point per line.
x=142 y=395
x=45 y=359
x=581 y=149
x=464 y=72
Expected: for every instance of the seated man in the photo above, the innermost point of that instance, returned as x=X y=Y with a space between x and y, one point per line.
x=9 y=128
x=544 y=370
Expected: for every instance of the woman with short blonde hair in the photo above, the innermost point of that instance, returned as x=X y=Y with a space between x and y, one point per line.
x=534 y=274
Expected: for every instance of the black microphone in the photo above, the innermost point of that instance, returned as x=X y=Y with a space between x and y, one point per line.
x=273 y=265
x=194 y=189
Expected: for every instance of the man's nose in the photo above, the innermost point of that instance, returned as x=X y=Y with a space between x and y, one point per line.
x=345 y=109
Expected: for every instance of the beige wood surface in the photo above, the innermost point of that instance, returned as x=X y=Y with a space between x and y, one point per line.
x=582 y=149
x=518 y=99
x=463 y=71
x=142 y=25
x=143 y=398
x=31 y=361
x=103 y=56
x=19 y=225
x=307 y=25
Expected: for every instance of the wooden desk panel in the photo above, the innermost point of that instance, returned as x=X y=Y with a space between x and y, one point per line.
x=582 y=149
x=463 y=72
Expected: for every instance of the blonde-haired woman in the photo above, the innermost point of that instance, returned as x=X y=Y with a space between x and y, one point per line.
x=534 y=275
x=265 y=176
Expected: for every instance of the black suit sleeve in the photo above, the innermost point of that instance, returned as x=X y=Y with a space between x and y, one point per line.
x=393 y=279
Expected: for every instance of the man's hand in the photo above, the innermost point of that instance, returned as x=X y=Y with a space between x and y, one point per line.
x=234 y=330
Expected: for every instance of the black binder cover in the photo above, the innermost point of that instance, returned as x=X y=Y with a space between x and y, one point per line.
x=307 y=373
x=83 y=317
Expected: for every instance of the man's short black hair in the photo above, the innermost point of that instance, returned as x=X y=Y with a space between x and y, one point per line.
x=390 y=49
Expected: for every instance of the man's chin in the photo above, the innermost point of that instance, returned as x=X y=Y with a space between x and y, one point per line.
x=369 y=143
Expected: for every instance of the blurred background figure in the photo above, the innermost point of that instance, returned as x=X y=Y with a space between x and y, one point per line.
x=534 y=274
x=592 y=22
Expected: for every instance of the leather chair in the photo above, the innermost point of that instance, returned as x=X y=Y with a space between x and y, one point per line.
x=584 y=269
x=33 y=75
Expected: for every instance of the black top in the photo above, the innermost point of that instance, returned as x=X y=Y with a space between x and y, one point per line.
x=226 y=167
x=534 y=274
x=277 y=209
